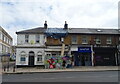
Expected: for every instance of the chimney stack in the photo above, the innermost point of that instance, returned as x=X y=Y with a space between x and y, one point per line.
x=66 y=25
x=45 y=25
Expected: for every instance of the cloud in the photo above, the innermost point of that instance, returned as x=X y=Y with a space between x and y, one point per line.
x=24 y=14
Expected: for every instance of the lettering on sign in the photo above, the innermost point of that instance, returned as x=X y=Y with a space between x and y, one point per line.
x=84 y=49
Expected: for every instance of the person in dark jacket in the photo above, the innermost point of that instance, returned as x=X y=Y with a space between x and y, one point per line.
x=64 y=63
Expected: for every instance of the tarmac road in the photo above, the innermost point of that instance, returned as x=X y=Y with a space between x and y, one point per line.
x=100 y=76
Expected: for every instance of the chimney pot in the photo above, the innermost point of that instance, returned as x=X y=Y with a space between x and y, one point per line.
x=45 y=25
x=66 y=25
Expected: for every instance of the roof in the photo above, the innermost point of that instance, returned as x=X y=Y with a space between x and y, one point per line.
x=93 y=31
x=73 y=31
x=32 y=31
x=3 y=31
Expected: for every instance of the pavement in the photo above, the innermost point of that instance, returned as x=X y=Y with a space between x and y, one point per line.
x=74 y=69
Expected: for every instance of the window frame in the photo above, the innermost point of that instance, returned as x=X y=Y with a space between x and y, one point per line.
x=37 y=38
x=74 y=39
x=84 y=38
x=109 y=40
x=26 y=38
x=21 y=59
x=97 y=40
x=22 y=55
x=39 y=57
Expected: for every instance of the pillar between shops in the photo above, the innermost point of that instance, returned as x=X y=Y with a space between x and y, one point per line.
x=92 y=54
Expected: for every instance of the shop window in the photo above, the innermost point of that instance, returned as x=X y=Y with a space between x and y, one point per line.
x=109 y=40
x=26 y=38
x=84 y=40
x=74 y=39
x=38 y=38
x=39 y=57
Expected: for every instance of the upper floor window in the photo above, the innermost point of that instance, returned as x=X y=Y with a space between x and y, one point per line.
x=8 y=41
x=109 y=40
x=3 y=37
x=37 y=38
x=97 y=40
x=26 y=38
x=74 y=39
x=84 y=40
x=0 y=35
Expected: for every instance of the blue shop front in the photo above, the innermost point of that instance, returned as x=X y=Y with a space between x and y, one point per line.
x=83 y=56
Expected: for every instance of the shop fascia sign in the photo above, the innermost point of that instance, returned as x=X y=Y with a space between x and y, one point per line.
x=84 y=49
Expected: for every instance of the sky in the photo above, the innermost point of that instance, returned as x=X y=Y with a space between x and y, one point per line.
x=17 y=15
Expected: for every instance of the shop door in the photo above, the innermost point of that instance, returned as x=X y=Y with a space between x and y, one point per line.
x=85 y=59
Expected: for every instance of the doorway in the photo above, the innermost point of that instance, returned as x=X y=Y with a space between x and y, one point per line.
x=85 y=59
x=31 y=58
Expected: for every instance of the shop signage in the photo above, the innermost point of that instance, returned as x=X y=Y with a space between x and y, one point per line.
x=84 y=49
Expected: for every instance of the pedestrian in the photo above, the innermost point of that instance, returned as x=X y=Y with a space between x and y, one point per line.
x=64 y=64
x=69 y=64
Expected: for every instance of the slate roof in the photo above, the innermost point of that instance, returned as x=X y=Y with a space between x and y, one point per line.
x=73 y=31
x=93 y=31
x=32 y=31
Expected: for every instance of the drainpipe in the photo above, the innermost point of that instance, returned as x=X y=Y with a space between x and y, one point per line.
x=92 y=54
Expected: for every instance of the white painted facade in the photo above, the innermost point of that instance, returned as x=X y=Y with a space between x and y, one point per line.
x=31 y=45
x=27 y=50
x=21 y=40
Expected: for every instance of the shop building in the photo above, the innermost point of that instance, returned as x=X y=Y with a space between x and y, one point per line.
x=30 y=49
x=6 y=43
x=90 y=47
x=86 y=46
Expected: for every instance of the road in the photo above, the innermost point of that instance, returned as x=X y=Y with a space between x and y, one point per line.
x=103 y=76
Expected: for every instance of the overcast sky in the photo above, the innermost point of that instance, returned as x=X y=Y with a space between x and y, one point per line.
x=17 y=15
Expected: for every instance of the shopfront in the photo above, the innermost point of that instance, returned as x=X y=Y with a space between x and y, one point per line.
x=83 y=56
x=105 y=56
